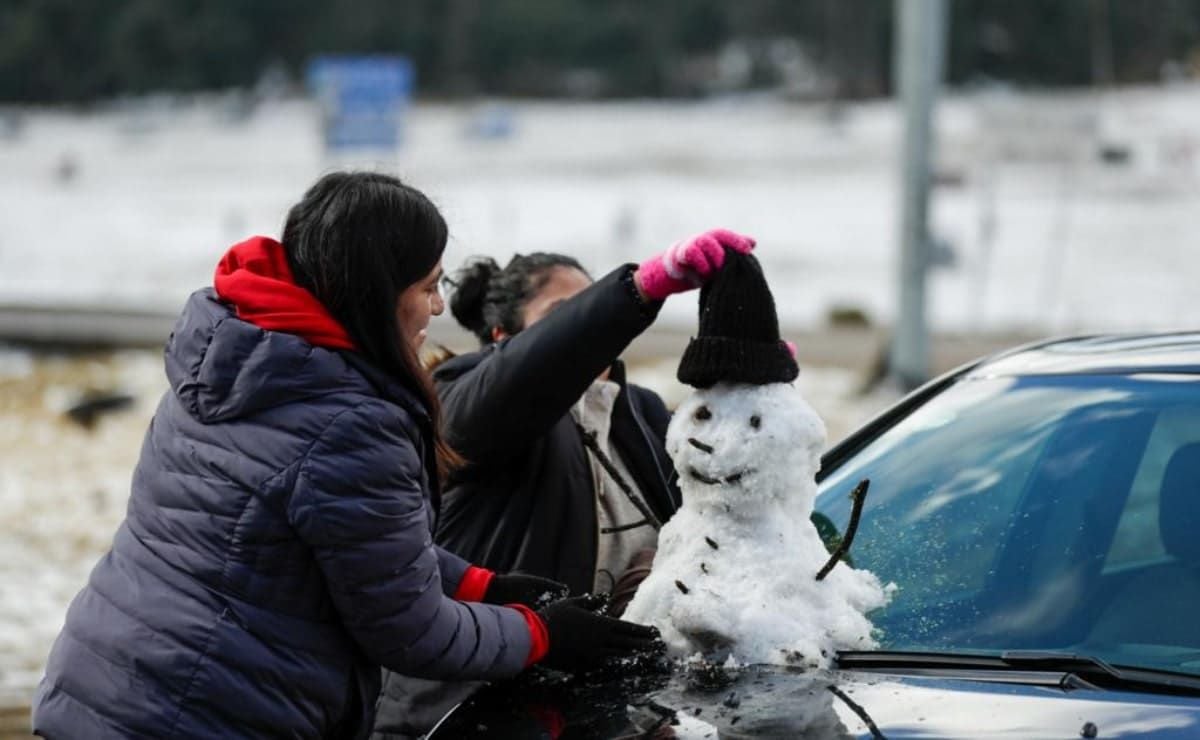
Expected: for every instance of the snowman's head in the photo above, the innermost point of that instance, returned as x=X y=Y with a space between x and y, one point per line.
x=737 y=442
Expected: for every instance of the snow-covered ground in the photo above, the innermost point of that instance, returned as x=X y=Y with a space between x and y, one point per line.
x=63 y=489
x=133 y=209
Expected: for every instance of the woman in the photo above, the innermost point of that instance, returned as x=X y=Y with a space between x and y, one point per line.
x=567 y=476
x=276 y=549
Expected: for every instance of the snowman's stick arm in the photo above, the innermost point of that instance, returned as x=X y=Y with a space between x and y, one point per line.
x=589 y=441
x=858 y=495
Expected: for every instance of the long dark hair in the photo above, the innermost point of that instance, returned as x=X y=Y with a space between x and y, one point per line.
x=356 y=240
x=487 y=296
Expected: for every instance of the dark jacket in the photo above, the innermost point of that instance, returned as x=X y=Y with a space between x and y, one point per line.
x=276 y=552
x=527 y=500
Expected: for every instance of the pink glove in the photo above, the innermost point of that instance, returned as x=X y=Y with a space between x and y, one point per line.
x=689 y=263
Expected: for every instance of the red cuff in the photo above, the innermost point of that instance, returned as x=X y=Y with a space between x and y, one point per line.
x=539 y=636
x=474 y=584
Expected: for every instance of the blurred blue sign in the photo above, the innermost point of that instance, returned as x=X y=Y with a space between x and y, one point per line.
x=363 y=99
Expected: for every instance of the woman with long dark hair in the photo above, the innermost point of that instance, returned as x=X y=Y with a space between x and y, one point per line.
x=277 y=551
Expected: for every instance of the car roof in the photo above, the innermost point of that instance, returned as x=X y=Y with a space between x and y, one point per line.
x=1177 y=352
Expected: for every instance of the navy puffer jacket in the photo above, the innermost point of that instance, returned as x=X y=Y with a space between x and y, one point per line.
x=275 y=553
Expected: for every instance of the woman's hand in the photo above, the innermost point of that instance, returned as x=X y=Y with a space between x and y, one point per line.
x=582 y=639
x=688 y=264
x=521 y=588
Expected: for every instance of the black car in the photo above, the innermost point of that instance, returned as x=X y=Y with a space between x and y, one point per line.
x=1038 y=511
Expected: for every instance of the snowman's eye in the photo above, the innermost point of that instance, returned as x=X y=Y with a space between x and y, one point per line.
x=703 y=414
x=756 y=421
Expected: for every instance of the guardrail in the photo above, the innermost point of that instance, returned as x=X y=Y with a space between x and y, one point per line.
x=83 y=326
x=855 y=347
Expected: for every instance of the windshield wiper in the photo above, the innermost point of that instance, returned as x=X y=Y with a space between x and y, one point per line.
x=1102 y=673
x=1081 y=671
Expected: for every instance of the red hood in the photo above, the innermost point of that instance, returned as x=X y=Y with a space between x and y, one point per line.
x=255 y=279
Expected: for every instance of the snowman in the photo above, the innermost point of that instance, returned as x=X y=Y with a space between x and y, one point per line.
x=735 y=575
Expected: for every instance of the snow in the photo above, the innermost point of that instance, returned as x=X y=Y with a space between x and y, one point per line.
x=1044 y=233
x=755 y=705
x=15 y=363
x=734 y=577
x=63 y=490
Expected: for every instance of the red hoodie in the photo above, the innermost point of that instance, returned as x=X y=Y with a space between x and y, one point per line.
x=254 y=277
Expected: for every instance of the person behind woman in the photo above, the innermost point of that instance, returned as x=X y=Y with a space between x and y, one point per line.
x=277 y=547
x=567 y=476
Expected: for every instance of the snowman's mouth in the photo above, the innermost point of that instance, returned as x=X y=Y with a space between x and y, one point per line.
x=731 y=478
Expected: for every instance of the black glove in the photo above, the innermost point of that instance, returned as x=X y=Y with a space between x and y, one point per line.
x=581 y=639
x=518 y=588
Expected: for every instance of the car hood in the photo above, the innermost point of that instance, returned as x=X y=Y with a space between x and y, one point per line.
x=770 y=701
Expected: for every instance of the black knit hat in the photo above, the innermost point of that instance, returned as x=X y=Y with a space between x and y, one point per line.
x=739 y=331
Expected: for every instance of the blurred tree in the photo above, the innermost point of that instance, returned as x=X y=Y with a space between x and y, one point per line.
x=80 y=50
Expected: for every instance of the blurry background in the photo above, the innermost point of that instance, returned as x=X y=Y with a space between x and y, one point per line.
x=140 y=138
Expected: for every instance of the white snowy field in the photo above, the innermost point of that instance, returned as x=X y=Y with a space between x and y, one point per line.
x=63 y=488
x=133 y=207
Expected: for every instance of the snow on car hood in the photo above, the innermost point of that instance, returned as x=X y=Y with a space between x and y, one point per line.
x=770 y=701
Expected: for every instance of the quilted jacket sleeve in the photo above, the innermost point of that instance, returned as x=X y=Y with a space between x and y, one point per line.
x=358 y=502
x=452 y=569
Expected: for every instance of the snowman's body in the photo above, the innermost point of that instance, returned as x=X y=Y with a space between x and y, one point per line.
x=735 y=572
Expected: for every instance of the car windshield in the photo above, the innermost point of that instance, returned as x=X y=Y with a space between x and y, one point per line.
x=1037 y=513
